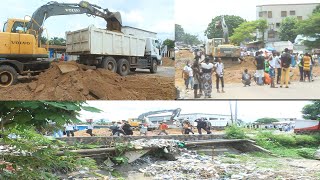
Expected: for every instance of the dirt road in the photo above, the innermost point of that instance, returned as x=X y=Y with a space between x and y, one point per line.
x=296 y=90
x=235 y=90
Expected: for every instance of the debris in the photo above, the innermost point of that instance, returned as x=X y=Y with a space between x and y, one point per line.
x=317 y=154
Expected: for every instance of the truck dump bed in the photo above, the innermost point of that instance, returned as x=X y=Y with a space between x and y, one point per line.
x=97 y=41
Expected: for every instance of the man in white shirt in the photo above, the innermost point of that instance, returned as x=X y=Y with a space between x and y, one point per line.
x=278 y=66
x=272 y=67
x=186 y=75
x=219 y=75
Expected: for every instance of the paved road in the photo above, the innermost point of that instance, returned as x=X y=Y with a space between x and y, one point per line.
x=162 y=71
x=296 y=90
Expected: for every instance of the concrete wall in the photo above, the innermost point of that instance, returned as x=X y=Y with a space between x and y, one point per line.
x=113 y=139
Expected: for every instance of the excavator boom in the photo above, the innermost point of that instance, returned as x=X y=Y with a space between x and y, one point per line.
x=53 y=8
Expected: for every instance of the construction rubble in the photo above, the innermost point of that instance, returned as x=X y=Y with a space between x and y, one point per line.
x=69 y=81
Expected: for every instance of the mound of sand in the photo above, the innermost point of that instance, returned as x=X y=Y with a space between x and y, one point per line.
x=79 y=82
x=168 y=62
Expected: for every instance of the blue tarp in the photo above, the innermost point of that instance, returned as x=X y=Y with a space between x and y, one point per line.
x=270 y=49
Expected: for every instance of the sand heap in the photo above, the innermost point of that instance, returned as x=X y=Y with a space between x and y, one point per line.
x=78 y=82
x=168 y=62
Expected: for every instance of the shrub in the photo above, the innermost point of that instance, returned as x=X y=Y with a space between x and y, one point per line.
x=306 y=153
x=285 y=140
x=235 y=132
x=306 y=140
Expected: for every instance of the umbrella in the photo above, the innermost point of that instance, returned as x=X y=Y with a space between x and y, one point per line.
x=270 y=49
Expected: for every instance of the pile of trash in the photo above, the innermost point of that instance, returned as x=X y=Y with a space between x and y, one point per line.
x=11 y=150
x=168 y=144
x=189 y=165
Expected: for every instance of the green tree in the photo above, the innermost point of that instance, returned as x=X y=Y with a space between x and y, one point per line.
x=169 y=43
x=57 y=41
x=246 y=31
x=311 y=28
x=191 y=39
x=179 y=32
x=312 y=111
x=266 y=120
x=261 y=26
x=231 y=21
x=24 y=114
x=316 y=10
x=288 y=29
x=43 y=40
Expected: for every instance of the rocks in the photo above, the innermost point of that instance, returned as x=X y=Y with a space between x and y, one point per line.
x=317 y=154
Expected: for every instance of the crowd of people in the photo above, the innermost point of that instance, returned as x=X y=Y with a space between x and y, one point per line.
x=272 y=68
x=275 y=68
x=199 y=76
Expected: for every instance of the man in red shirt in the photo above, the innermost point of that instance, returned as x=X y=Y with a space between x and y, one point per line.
x=163 y=127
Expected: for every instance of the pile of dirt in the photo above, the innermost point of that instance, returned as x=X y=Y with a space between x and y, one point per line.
x=84 y=83
x=184 y=54
x=168 y=62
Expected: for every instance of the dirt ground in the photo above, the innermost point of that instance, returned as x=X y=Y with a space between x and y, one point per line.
x=168 y=62
x=89 y=84
x=107 y=132
x=233 y=70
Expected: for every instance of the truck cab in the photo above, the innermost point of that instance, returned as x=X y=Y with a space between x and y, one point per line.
x=153 y=47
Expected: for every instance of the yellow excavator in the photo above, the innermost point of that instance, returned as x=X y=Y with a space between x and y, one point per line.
x=20 y=41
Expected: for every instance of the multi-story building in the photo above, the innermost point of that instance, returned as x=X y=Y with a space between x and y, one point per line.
x=275 y=13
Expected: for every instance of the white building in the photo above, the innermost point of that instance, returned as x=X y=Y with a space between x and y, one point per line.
x=275 y=13
x=217 y=120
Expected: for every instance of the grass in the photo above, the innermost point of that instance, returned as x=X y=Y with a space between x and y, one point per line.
x=294 y=146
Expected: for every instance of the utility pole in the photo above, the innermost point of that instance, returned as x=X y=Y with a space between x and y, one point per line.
x=230 y=104
x=236 y=112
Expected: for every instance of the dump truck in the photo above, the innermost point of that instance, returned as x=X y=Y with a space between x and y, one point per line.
x=119 y=52
x=21 y=52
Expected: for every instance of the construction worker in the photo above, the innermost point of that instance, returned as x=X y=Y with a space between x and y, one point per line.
x=163 y=127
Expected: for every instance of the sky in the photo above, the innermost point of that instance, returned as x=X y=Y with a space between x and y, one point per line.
x=156 y=16
x=195 y=16
x=248 y=111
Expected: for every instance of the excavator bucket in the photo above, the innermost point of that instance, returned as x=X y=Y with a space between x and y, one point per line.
x=114 y=21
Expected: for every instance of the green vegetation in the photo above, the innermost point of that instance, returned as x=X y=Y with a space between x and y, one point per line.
x=289 y=145
x=235 y=132
x=39 y=159
x=311 y=28
x=231 y=21
x=39 y=114
x=267 y=120
x=247 y=31
x=312 y=111
x=181 y=36
x=288 y=29
x=169 y=43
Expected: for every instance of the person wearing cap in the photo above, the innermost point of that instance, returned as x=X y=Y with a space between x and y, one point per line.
x=207 y=69
x=285 y=64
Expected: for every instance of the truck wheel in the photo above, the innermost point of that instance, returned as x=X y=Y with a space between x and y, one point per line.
x=110 y=64
x=123 y=67
x=133 y=69
x=8 y=76
x=154 y=66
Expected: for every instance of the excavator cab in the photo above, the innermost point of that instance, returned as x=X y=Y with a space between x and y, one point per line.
x=15 y=26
